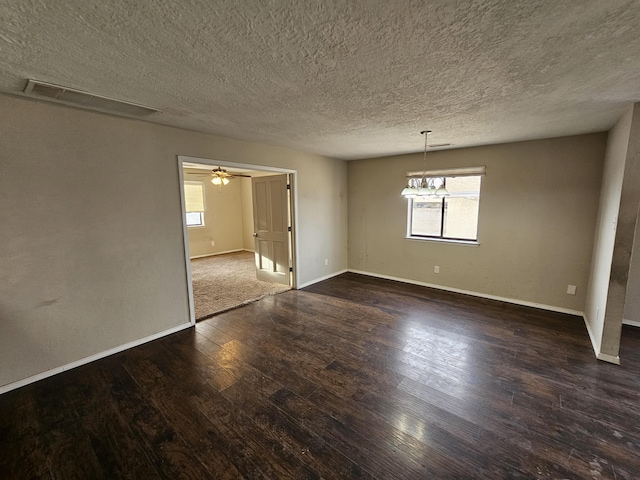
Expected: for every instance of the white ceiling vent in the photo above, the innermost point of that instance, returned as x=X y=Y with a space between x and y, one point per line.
x=78 y=98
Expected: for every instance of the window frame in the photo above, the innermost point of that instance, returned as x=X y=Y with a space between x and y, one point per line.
x=204 y=204
x=194 y=225
x=441 y=237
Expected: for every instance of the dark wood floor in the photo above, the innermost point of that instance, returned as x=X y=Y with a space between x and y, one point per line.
x=354 y=377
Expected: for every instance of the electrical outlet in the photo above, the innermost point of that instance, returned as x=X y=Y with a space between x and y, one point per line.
x=213 y=244
x=436 y=269
x=571 y=289
x=326 y=262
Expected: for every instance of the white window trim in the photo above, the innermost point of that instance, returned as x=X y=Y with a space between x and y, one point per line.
x=467 y=243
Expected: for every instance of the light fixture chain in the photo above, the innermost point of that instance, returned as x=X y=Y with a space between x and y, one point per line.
x=423 y=182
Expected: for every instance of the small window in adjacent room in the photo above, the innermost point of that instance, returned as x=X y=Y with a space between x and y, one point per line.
x=194 y=203
x=451 y=217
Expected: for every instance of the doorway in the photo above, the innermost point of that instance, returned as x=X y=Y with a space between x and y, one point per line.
x=220 y=262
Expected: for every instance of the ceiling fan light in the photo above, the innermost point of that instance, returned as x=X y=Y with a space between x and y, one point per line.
x=225 y=181
x=217 y=180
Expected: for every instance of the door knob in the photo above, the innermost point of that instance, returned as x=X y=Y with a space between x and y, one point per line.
x=255 y=234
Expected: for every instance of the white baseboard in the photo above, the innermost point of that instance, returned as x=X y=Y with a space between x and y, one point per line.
x=632 y=323
x=218 y=253
x=54 y=371
x=525 y=303
x=596 y=349
x=326 y=277
x=594 y=344
x=599 y=355
x=608 y=358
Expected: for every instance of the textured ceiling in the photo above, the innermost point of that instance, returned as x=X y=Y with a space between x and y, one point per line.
x=347 y=79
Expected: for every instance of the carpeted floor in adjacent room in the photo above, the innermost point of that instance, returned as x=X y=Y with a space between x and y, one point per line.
x=222 y=282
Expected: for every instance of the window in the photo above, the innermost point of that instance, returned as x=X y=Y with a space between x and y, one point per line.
x=453 y=217
x=195 y=219
x=194 y=203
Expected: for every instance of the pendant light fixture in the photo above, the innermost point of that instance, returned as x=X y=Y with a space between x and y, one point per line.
x=427 y=186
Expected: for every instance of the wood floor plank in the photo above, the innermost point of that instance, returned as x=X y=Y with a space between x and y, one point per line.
x=513 y=424
x=308 y=447
x=247 y=443
x=174 y=392
x=122 y=399
x=371 y=453
x=21 y=429
x=407 y=435
x=353 y=377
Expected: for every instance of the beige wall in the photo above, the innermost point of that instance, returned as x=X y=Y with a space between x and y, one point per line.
x=93 y=257
x=632 y=305
x=538 y=211
x=609 y=205
x=223 y=220
x=247 y=215
x=617 y=222
x=625 y=268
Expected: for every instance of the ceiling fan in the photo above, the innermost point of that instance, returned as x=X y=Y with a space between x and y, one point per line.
x=219 y=176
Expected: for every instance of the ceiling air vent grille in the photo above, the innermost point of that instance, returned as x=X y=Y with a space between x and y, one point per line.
x=78 y=98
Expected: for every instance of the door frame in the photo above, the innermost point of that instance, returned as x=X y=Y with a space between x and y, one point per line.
x=293 y=201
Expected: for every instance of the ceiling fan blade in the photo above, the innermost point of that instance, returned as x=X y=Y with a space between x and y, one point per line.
x=218 y=172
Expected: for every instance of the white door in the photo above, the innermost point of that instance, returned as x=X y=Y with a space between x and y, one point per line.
x=271 y=228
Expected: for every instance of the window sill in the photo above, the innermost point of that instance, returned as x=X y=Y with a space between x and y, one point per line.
x=469 y=243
